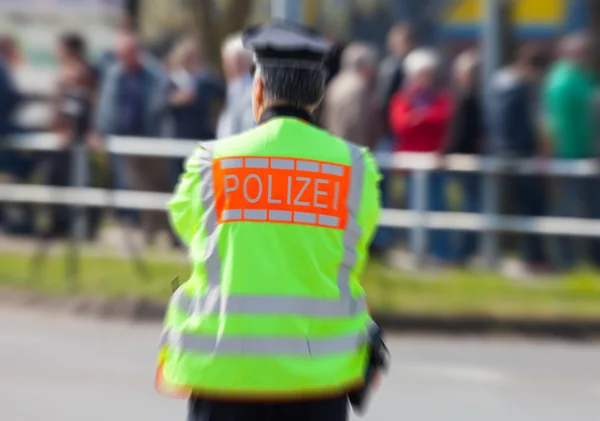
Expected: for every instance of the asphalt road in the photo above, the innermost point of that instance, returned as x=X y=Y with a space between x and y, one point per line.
x=56 y=367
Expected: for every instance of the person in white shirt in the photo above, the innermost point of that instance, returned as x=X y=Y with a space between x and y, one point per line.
x=236 y=116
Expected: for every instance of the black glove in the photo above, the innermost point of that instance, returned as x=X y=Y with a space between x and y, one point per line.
x=379 y=360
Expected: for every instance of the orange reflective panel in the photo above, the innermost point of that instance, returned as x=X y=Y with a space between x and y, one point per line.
x=282 y=190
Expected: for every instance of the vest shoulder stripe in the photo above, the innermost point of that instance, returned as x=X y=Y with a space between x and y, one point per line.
x=353 y=231
x=211 y=256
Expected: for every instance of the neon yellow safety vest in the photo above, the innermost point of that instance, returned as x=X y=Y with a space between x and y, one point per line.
x=278 y=221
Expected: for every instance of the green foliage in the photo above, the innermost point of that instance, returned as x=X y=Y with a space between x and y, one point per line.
x=453 y=292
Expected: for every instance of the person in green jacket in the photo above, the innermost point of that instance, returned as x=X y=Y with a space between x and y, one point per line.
x=568 y=102
x=273 y=323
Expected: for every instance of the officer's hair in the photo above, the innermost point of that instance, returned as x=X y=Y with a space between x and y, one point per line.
x=300 y=87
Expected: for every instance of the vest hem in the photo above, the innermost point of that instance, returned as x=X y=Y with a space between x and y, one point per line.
x=288 y=396
x=274 y=396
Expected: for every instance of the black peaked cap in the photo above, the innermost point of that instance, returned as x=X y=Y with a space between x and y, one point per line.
x=285 y=42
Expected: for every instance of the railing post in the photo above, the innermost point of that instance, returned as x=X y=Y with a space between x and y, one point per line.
x=420 y=194
x=79 y=179
x=491 y=193
x=289 y=10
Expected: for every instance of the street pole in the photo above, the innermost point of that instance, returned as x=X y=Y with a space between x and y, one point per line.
x=490 y=40
x=79 y=226
x=491 y=46
x=289 y=10
x=594 y=26
x=496 y=39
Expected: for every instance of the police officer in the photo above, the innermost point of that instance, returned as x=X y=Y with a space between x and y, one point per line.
x=273 y=324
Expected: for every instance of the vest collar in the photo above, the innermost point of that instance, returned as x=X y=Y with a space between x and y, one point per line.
x=286 y=111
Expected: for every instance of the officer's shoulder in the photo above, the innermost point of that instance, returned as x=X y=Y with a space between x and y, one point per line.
x=258 y=130
x=359 y=151
x=212 y=146
x=352 y=147
x=206 y=149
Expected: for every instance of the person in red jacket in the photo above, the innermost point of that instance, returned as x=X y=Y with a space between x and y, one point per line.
x=420 y=115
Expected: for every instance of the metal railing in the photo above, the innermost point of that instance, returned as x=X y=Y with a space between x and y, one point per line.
x=489 y=222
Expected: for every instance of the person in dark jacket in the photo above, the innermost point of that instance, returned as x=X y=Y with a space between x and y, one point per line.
x=391 y=71
x=513 y=123
x=194 y=99
x=130 y=104
x=466 y=138
x=13 y=165
x=124 y=27
x=71 y=119
x=9 y=96
x=390 y=79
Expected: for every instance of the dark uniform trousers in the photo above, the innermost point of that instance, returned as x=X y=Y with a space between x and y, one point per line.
x=335 y=409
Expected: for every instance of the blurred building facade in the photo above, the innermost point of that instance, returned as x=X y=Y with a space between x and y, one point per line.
x=532 y=18
x=451 y=22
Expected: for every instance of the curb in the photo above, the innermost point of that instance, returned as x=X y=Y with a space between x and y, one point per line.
x=144 y=310
x=133 y=309
x=563 y=328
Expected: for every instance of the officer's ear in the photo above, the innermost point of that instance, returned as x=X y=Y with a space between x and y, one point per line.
x=258 y=89
x=257 y=97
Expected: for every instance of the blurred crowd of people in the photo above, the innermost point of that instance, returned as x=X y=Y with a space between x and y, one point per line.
x=408 y=101
x=542 y=106
x=128 y=91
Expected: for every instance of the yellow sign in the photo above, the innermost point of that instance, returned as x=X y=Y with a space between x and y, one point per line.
x=526 y=12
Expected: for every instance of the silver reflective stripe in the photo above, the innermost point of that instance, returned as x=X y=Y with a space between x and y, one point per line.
x=210 y=256
x=307 y=166
x=353 y=231
x=331 y=221
x=214 y=302
x=282 y=164
x=164 y=338
x=280 y=216
x=232 y=163
x=271 y=345
x=333 y=169
x=307 y=218
x=257 y=163
x=257 y=215
x=232 y=214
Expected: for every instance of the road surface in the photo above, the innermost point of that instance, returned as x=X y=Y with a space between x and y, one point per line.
x=56 y=367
